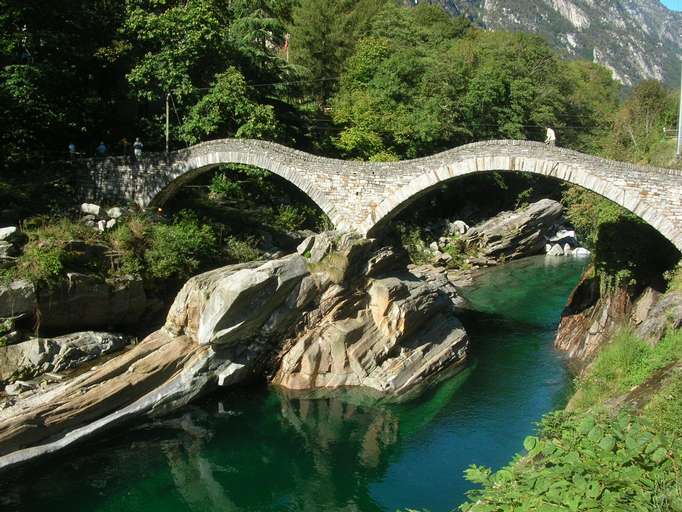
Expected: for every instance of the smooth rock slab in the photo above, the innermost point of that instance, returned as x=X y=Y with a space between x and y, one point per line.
x=40 y=355
x=6 y=233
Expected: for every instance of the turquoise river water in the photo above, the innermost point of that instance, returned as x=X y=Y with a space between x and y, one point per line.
x=257 y=450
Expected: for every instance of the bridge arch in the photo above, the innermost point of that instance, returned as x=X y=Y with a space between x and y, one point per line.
x=189 y=164
x=640 y=190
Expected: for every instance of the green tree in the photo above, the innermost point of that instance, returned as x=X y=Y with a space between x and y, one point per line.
x=637 y=133
x=227 y=111
x=320 y=43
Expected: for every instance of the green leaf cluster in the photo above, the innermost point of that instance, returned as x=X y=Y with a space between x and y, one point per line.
x=585 y=463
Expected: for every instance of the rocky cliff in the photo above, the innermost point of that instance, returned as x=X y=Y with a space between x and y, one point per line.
x=338 y=317
x=592 y=316
x=636 y=39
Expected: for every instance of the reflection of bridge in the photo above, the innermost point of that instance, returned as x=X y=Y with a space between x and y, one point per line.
x=360 y=195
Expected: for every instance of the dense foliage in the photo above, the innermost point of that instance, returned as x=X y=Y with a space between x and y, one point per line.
x=583 y=463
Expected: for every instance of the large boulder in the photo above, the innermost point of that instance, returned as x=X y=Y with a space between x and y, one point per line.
x=228 y=305
x=40 y=355
x=516 y=234
x=404 y=336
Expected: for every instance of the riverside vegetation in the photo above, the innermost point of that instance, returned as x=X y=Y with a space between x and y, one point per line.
x=365 y=79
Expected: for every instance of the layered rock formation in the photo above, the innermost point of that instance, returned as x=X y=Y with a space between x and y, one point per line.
x=515 y=234
x=313 y=326
x=80 y=302
x=41 y=355
x=592 y=316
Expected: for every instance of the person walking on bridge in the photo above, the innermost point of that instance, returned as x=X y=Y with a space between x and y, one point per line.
x=102 y=149
x=550 y=139
x=137 y=148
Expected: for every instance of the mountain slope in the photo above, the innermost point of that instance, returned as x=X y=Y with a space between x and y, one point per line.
x=636 y=39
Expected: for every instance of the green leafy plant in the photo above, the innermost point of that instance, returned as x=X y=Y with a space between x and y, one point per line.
x=585 y=463
x=241 y=251
x=178 y=249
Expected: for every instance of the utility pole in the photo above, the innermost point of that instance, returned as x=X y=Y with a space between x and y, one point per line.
x=679 y=123
x=167 y=121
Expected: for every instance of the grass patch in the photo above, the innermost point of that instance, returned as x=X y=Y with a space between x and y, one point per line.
x=664 y=412
x=626 y=362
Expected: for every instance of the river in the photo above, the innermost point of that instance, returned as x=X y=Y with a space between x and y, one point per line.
x=257 y=450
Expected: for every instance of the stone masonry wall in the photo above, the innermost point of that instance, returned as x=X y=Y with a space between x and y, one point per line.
x=362 y=195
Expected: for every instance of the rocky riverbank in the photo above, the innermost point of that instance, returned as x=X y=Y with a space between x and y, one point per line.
x=350 y=319
x=342 y=312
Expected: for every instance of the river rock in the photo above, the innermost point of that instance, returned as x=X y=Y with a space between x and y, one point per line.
x=227 y=305
x=581 y=252
x=7 y=233
x=40 y=355
x=515 y=234
x=317 y=328
x=556 y=250
x=92 y=209
x=17 y=298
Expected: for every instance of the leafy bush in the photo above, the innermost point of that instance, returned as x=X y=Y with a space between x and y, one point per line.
x=241 y=251
x=222 y=186
x=45 y=258
x=585 y=463
x=290 y=217
x=458 y=249
x=178 y=249
x=411 y=239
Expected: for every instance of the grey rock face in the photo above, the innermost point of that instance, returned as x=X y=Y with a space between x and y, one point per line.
x=664 y=316
x=516 y=234
x=16 y=299
x=88 y=302
x=40 y=355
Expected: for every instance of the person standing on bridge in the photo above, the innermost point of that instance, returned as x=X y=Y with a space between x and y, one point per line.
x=102 y=149
x=550 y=139
x=137 y=148
x=72 y=150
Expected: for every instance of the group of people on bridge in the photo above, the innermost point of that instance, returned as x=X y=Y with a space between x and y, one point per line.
x=102 y=150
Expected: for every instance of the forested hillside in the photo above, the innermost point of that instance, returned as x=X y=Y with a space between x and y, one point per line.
x=636 y=39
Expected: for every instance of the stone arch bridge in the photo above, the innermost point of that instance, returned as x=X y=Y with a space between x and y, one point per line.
x=362 y=196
